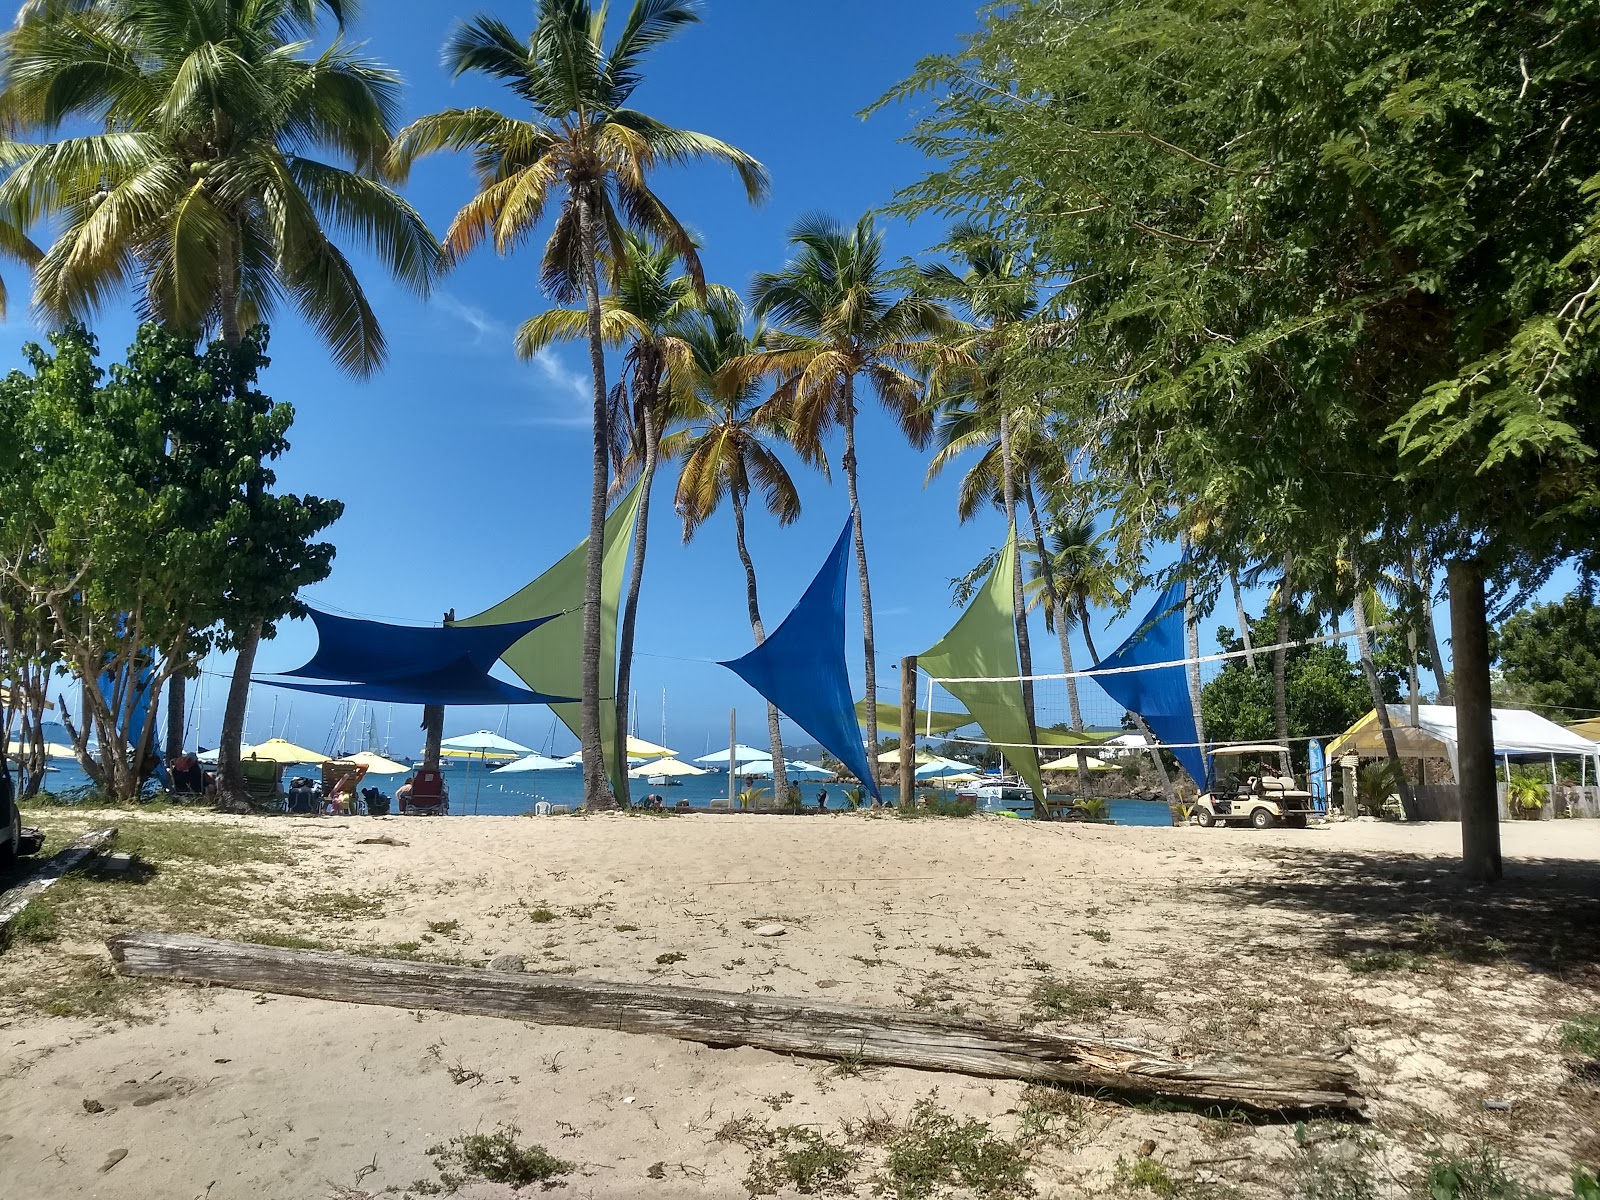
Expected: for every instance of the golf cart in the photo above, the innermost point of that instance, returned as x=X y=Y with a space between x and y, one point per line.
x=1246 y=788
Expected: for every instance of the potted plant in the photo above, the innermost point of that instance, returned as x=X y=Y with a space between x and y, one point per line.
x=1525 y=797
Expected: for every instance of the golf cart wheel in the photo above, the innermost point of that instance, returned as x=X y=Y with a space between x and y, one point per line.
x=1298 y=821
x=1205 y=816
x=1263 y=819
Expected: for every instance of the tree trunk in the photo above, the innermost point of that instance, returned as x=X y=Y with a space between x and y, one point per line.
x=177 y=686
x=869 y=644
x=230 y=758
x=1469 y=642
x=597 y=792
x=1047 y=571
x=1380 y=706
x=780 y=775
x=630 y=607
x=1019 y=600
x=432 y=735
x=1431 y=631
x=1167 y=790
x=1244 y=621
x=1280 y=661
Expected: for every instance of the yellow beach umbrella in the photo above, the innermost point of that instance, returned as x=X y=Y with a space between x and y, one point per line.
x=283 y=752
x=376 y=764
x=639 y=748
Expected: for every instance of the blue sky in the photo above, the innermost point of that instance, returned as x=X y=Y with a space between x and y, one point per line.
x=465 y=473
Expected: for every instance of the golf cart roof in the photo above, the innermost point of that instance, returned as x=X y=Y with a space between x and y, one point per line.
x=1247 y=748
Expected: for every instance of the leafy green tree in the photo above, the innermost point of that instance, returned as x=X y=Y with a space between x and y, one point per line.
x=1332 y=271
x=1550 y=656
x=128 y=520
x=226 y=158
x=581 y=138
x=646 y=303
x=727 y=448
x=837 y=318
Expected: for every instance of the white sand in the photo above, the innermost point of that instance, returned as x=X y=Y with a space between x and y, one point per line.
x=1198 y=940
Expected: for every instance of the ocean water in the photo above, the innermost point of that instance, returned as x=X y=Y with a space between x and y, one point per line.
x=475 y=791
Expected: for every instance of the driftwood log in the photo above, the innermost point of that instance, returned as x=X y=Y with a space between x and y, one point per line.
x=18 y=898
x=1273 y=1084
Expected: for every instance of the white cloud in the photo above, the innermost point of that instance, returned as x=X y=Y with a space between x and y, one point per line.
x=484 y=327
x=565 y=396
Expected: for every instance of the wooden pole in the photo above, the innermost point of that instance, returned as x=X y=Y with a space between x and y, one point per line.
x=733 y=740
x=1264 y=1083
x=908 y=731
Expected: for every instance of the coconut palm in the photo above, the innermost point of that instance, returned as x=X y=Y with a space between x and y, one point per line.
x=968 y=383
x=645 y=303
x=727 y=455
x=581 y=140
x=838 y=318
x=227 y=154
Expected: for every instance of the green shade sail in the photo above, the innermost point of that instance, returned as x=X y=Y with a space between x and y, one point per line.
x=983 y=643
x=553 y=653
x=889 y=719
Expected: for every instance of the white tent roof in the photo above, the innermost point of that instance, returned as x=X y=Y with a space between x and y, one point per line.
x=1517 y=733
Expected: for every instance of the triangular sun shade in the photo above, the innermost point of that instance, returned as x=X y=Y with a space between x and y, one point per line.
x=800 y=668
x=1160 y=695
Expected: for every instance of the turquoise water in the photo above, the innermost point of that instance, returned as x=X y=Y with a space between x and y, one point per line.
x=477 y=792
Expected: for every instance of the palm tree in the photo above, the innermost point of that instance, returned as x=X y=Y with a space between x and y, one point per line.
x=726 y=455
x=580 y=138
x=968 y=384
x=641 y=310
x=211 y=190
x=839 y=319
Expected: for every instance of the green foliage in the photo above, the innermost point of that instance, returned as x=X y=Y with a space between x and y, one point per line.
x=1376 y=781
x=495 y=1158
x=935 y=1151
x=1583 y=1035
x=133 y=513
x=1525 y=794
x=1550 y=656
x=1329 y=269
x=1479 y=1175
x=800 y=1158
x=1148 y=1175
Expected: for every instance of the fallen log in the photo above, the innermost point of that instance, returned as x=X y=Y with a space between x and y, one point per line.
x=18 y=898
x=1271 y=1083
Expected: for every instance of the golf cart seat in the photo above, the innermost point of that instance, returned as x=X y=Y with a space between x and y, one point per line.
x=1282 y=787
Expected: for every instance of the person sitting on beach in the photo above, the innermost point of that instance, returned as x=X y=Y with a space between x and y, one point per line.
x=402 y=794
x=187 y=778
x=343 y=797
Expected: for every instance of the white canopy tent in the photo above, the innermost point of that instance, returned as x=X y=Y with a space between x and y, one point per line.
x=1518 y=734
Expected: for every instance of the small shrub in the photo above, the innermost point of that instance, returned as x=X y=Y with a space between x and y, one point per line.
x=1147 y=1175
x=445 y=927
x=1387 y=960
x=495 y=1158
x=967 y=951
x=935 y=1151
x=1100 y=935
x=1582 y=1034
x=36 y=923
x=541 y=916
x=802 y=1159
x=666 y=960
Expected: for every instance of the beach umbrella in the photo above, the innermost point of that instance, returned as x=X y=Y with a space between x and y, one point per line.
x=376 y=764
x=892 y=757
x=805 y=768
x=535 y=762
x=481 y=744
x=669 y=767
x=756 y=767
x=1070 y=763
x=280 y=751
x=639 y=748
x=943 y=768
x=741 y=754
x=575 y=759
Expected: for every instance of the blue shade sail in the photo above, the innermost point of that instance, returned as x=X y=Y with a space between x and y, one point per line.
x=800 y=668
x=365 y=651
x=1161 y=695
x=129 y=693
x=404 y=664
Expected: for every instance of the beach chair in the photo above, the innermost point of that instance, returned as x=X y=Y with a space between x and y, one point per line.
x=263 y=783
x=561 y=810
x=427 y=795
x=722 y=804
x=542 y=808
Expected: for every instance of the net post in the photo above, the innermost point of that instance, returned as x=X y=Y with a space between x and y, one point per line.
x=908 y=730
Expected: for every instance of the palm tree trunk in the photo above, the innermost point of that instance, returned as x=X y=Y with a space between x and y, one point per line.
x=432 y=735
x=176 y=698
x=1380 y=707
x=630 y=607
x=1280 y=662
x=1019 y=600
x=1431 y=632
x=1047 y=571
x=868 y=641
x=1167 y=790
x=1244 y=621
x=780 y=775
x=596 y=787
x=230 y=767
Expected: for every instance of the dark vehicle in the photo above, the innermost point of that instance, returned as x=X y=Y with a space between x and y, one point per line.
x=10 y=818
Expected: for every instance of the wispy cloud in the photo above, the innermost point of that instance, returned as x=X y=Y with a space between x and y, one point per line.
x=485 y=329
x=566 y=396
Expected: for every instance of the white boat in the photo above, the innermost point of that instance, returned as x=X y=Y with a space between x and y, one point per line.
x=1006 y=794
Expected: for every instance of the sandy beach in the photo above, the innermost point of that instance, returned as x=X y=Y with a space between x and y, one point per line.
x=1355 y=940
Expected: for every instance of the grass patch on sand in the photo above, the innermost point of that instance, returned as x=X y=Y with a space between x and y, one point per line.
x=1066 y=1000
x=495 y=1158
x=935 y=1151
x=36 y=923
x=1582 y=1035
x=343 y=906
x=797 y=1157
x=1479 y=1175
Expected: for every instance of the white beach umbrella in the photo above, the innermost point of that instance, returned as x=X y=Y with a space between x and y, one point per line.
x=941 y=768
x=482 y=744
x=805 y=768
x=668 y=767
x=534 y=762
x=741 y=754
